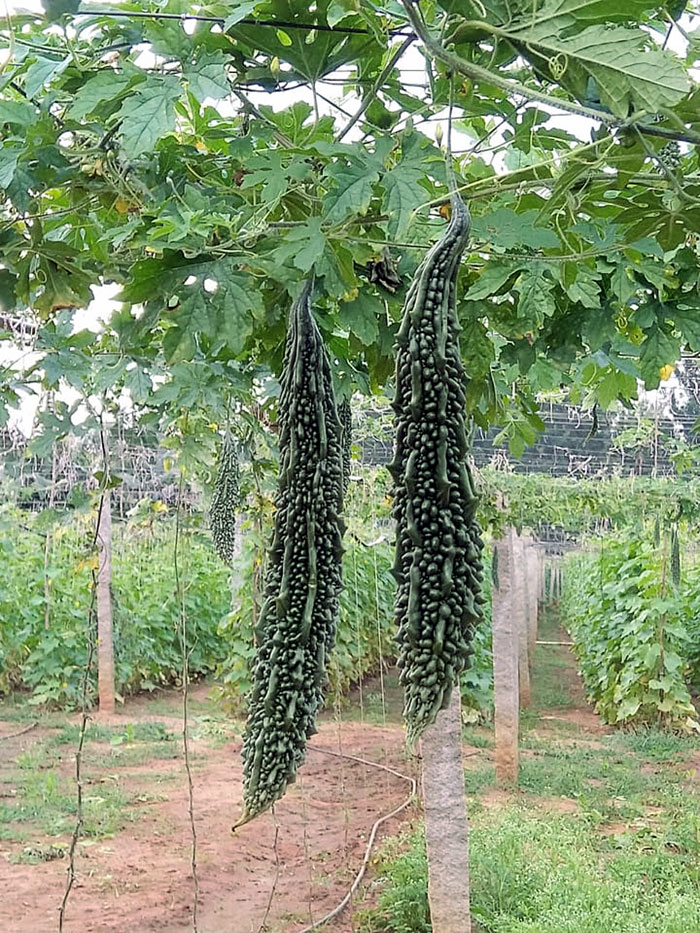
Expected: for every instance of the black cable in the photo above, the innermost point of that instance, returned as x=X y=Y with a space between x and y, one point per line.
x=246 y=21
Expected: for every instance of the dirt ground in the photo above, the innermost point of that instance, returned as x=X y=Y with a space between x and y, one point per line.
x=140 y=879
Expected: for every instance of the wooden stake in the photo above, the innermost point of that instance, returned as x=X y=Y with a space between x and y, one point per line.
x=505 y=661
x=519 y=610
x=446 y=830
x=532 y=572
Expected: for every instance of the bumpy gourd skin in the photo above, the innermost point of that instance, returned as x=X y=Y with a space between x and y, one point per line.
x=225 y=501
x=438 y=543
x=298 y=620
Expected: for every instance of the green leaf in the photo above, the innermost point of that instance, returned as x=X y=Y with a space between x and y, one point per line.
x=563 y=14
x=403 y=195
x=41 y=72
x=628 y=708
x=221 y=304
x=536 y=299
x=208 y=77
x=493 y=277
x=352 y=191
x=664 y=683
x=139 y=384
x=626 y=74
x=292 y=120
x=238 y=303
x=659 y=349
x=686 y=317
x=585 y=288
x=240 y=11
x=9 y=153
x=359 y=318
x=622 y=282
x=148 y=114
x=506 y=228
x=672 y=661
x=107 y=85
x=304 y=245
x=17 y=113
x=267 y=171
x=338 y=270
x=338 y=10
x=613 y=386
x=652 y=655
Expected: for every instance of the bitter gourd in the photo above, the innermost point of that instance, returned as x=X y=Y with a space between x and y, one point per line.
x=675 y=556
x=225 y=501
x=670 y=155
x=297 y=624
x=438 y=563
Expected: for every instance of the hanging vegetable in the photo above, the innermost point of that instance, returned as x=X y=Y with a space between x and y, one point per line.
x=675 y=556
x=438 y=544
x=225 y=501
x=296 y=630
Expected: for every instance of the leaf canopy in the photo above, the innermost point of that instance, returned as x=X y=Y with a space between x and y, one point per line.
x=207 y=159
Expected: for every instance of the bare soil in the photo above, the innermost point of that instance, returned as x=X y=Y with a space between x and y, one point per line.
x=277 y=873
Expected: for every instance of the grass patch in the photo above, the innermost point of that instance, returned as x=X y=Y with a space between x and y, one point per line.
x=478 y=736
x=40 y=780
x=622 y=855
x=115 y=735
x=653 y=744
x=539 y=872
x=477 y=780
x=131 y=756
x=46 y=803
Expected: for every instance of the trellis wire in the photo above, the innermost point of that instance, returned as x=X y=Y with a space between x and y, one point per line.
x=275 y=880
x=185 y=698
x=84 y=717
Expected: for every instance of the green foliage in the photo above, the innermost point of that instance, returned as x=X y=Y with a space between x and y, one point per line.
x=632 y=632
x=403 y=904
x=584 y=506
x=534 y=871
x=365 y=627
x=208 y=210
x=49 y=663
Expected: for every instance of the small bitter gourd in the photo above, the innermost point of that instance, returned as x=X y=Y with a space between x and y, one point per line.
x=670 y=155
x=438 y=564
x=225 y=501
x=297 y=624
x=675 y=557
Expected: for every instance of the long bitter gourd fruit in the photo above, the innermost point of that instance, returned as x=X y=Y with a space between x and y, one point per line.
x=297 y=624
x=225 y=501
x=438 y=563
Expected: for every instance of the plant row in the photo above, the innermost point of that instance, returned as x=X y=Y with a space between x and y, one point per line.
x=635 y=623
x=46 y=621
